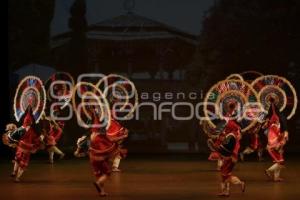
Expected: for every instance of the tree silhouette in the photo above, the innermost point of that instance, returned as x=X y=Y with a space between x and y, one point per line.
x=240 y=35
x=77 y=54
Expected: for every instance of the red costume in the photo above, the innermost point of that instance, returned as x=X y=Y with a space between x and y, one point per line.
x=217 y=140
x=104 y=147
x=117 y=133
x=277 y=137
x=275 y=140
x=228 y=150
x=52 y=133
x=213 y=156
x=232 y=130
x=29 y=143
x=100 y=151
x=255 y=145
x=53 y=137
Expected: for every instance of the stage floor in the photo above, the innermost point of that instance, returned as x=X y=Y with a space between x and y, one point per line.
x=147 y=179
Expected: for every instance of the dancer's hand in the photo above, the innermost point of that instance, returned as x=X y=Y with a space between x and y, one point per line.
x=5 y=139
x=42 y=137
x=265 y=124
x=126 y=132
x=286 y=136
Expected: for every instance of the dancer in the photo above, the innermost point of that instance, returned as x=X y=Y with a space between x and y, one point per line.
x=116 y=132
x=228 y=149
x=277 y=138
x=106 y=133
x=30 y=95
x=275 y=91
x=102 y=149
x=255 y=144
x=28 y=143
x=216 y=136
x=52 y=133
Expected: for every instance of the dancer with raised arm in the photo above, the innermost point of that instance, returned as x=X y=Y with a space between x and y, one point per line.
x=279 y=100
x=277 y=138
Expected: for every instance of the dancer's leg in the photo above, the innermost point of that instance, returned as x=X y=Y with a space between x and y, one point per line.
x=116 y=164
x=100 y=184
x=51 y=155
x=15 y=170
x=219 y=164
x=19 y=174
x=277 y=172
x=236 y=181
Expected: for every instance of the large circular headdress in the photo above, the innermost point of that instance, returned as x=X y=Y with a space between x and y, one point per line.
x=120 y=93
x=87 y=98
x=30 y=92
x=59 y=87
x=233 y=98
x=278 y=90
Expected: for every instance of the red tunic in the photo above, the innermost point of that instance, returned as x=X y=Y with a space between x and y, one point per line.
x=101 y=146
x=104 y=147
x=229 y=162
x=276 y=139
x=254 y=141
x=233 y=128
x=275 y=143
x=54 y=136
x=115 y=130
x=214 y=155
x=227 y=168
x=100 y=151
x=117 y=133
x=29 y=143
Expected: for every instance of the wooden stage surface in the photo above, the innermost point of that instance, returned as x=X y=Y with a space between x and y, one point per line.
x=146 y=178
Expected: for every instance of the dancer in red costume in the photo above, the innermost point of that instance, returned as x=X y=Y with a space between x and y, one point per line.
x=29 y=142
x=59 y=94
x=102 y=149
x=116 y=130
x=216 y=136
x=277 y=138
x=228 y=149
x=53 y=133
x=255 y=144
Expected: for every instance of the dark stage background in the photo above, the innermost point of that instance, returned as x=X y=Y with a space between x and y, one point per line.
x=161 y=48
